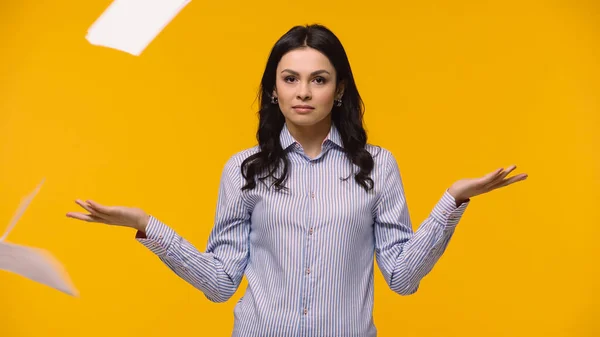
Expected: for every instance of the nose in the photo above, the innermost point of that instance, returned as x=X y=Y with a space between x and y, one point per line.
x=304 y=92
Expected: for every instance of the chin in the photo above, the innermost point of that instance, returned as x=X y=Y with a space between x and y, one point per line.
x=305 y=119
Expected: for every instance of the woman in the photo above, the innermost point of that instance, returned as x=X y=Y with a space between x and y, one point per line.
x=301 y=214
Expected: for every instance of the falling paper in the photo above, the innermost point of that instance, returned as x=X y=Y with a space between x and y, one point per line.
x=36 y=265
x=130 y=25
x=33 y=263
x=21 y=209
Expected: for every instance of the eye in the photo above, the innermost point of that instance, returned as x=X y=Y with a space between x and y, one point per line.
x=289 y=79
x=320 y=80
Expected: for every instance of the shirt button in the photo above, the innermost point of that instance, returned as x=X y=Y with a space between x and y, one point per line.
x=308 y=270
x=305 y=311
x=312 y=195
x=310 y=231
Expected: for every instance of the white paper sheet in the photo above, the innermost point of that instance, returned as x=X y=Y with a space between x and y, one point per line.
x=33 y=263
x=21 y=209
x=130 y=25
x=37 y=265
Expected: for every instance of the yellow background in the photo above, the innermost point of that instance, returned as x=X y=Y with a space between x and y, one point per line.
x=453 y=88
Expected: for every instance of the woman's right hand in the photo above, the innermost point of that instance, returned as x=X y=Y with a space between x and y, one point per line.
x=112 y=215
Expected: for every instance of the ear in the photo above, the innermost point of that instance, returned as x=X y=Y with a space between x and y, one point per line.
x=339 y=92
x=274 y=94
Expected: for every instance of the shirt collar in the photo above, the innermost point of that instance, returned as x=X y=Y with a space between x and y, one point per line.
x=286 y=139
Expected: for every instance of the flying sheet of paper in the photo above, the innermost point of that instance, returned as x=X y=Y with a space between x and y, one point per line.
x=130 y=25
x=33 y=263
x=21 y=209
x=37 y=265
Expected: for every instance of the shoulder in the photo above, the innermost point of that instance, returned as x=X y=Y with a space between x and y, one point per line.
x=382 y=157
x=231 y=172
x=386 y=171
x=236 y=159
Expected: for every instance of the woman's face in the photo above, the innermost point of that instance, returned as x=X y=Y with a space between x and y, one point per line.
x=306 y=87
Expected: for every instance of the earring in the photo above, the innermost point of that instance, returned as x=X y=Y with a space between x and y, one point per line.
x=338 y=102
x=274 y=100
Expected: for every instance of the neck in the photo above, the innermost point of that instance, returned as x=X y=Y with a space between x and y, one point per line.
x=311 y=137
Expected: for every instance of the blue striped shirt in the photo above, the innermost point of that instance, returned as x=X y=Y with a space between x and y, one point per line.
x=308 y=251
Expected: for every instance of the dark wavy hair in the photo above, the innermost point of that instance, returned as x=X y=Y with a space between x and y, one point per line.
x=347 y=118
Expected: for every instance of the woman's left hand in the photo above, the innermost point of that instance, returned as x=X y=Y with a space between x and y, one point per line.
x=465 y=189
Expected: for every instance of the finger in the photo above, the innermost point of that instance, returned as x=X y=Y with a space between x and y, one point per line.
x=84 y=206
x=499 y=178
x=85 y=217
x=508 y=171
x=99 y=208
x=512 y=180
x=490 y=177
x=88 y=208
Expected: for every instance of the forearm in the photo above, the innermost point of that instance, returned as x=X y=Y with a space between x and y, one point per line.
x=413 y=256
x=202 y=270
x=419 y=255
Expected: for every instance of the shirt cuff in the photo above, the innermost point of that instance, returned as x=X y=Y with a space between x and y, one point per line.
x=446 y=212
x=158 y=237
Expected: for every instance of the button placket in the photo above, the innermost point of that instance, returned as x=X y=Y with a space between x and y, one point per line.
x=310 y=231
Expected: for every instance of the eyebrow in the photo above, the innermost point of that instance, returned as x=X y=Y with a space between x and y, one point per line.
x=318 y=72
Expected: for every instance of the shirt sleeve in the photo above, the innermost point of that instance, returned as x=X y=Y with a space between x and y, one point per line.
x=403 y=256
x=218 y=271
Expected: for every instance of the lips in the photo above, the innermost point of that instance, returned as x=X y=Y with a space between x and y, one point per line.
x=303 y=109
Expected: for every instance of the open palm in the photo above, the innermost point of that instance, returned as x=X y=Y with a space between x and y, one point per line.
x=111 y=215
x=465 y=189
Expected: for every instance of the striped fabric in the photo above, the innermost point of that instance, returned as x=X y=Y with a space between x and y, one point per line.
x=308 y=252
